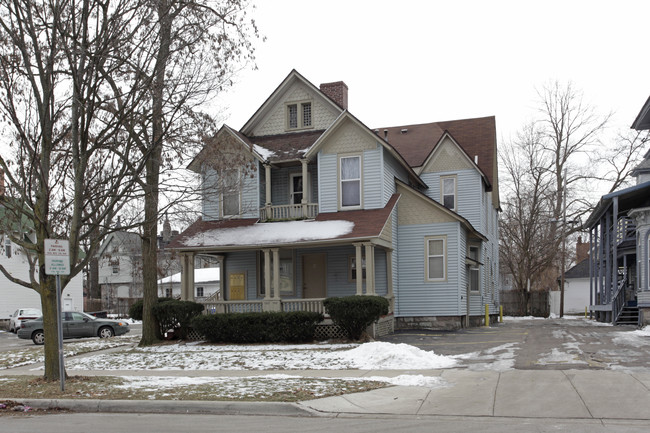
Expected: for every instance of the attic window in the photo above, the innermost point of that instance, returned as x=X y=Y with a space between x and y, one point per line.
x=302 y=119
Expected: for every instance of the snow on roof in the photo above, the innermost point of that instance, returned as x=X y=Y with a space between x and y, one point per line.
x=203 y=275
x=271 y=233
x=263 y=152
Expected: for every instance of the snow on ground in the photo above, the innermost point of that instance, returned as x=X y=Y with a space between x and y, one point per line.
x=500 y=358
x=368 y=356
x=638 y=338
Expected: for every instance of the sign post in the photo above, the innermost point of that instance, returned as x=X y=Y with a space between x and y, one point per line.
x=57 y=262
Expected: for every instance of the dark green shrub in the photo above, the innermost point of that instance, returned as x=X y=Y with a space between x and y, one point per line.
x=298 y=326
x=176 y=315
x=353 y=314
x=135 y=311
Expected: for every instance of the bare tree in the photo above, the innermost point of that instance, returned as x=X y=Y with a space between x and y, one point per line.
x=550 y=170
x=65 y=174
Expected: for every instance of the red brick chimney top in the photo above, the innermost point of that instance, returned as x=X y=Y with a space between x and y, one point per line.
x=337 y=92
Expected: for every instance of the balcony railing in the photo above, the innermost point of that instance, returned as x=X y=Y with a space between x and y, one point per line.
x=288 y=212
x=625 y=230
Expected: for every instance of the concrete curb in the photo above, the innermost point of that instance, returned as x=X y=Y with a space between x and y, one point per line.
x=173 y=407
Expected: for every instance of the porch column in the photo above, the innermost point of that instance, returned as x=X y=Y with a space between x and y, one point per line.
x=304 y=162
x=276 y=273
x=359 y=269
x=370 y=268
x=187 y=277
x=220 y=259
x=267 y=175
x=389 y=273
x=267 y=274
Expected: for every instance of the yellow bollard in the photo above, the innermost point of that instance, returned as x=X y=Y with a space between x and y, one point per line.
x=487 y=315
x=500 y=313
x=585 y=312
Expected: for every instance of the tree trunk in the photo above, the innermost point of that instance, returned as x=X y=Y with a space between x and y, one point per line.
x=150 y=331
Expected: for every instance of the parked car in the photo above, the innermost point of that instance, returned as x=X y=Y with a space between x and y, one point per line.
x=75 y=325
x=21 y=315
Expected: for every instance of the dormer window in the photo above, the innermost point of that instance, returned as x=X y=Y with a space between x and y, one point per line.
x=448 y=192
x=299 y=115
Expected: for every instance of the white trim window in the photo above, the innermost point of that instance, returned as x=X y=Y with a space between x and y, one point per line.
x=299 y=119
x=199 y=292
x=350 y=181
x=298 y=188
x=230 y=193
x=448 y=192
x=8 y=247
x=436 y=258
x=352 y=268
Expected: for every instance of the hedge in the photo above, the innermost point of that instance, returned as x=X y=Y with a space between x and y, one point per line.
x=353 y=314
x=267 y=327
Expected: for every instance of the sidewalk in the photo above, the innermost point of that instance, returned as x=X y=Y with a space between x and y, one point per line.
x=566 y=394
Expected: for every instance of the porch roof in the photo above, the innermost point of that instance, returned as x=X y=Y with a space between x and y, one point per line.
x=636 y=196
x=250 y=233
x=283 y=147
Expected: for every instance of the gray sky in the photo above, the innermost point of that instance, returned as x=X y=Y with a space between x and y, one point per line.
x=408 y=62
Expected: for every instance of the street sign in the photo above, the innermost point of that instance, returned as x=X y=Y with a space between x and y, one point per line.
x=57 y=257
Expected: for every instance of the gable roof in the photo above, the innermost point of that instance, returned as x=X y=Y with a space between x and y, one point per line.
x=580 y=270
x=439 y=207
x=477 y=137
x=293 y=77
x=636 y=196
x=642 y=121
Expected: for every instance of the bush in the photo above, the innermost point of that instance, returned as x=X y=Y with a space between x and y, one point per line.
x=176 y=315
x=353 y=314
x=296 y=327
x=135 y=310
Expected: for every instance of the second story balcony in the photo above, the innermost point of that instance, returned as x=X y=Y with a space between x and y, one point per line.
x=288 y=212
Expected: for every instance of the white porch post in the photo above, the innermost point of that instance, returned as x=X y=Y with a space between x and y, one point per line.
x=389 y=281
x=276 y=273
x=370 y=268
x=189 y=294
x=220 y=259
x=267 y=175
x=304 y=162
x=359 y=268
x=183 y=275
x=267 y=274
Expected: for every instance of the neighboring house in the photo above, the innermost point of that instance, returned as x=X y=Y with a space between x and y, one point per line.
x=576 y=290
x=14 y=296
x=619 y=230
x=206 y=285
x=306 y=202
x=120 y=267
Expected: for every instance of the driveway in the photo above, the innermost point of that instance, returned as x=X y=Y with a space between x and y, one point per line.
x=538 y=344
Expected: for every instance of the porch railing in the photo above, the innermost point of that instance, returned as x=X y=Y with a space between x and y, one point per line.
x=289 y=212
x=625 y=230
x=618 y=301
x=313 y=305
x=220 y=307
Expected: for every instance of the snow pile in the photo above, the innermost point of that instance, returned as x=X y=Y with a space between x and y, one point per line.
x=388 y=356
x=638 y=338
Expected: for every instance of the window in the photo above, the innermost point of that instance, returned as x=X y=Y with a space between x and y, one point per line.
x=230 y=197
x=294 y=120
x=473 y=274
x=199 y=292
x=286 y=268
x=350 y=181
x=8 y=247
x=297 y=188
x=448 y=192
x=436 y=259
x=168 y=293
x=352 y=268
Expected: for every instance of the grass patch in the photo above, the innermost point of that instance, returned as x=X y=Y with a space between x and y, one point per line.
x=258 y=388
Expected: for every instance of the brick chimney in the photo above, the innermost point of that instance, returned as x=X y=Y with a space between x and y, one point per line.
x=582 y=250
x=337 y=92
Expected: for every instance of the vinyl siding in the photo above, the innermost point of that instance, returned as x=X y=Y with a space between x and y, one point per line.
x=418 y=297
x=392 y=170
x=250 y=205
x=469 y=188
x=210 y=195
x=249 y=198
x=327 y=182
x=372 y=179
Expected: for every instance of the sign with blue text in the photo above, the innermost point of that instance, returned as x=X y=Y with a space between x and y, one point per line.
x=57 y=257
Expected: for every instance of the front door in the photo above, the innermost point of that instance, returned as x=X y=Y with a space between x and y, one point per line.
x=296 y=188
x=314 y=269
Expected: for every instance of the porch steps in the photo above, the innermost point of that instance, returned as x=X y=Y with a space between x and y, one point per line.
x=629 y=316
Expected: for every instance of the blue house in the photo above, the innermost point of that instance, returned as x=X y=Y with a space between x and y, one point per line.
x=306 y=202
x=619 y=233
